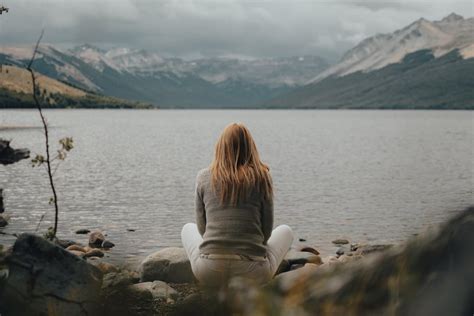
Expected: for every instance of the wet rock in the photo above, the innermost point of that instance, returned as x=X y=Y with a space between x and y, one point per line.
x=302 y=239
x=168 y=265
x=107 y=244
x=340 y=241
x=300 y=257
x=130 y=229
x=9 y=155
x=96 y=239
x=308 y=249
x=44 y=277
x=94 y=253
x=154 y=290
x=82 y=231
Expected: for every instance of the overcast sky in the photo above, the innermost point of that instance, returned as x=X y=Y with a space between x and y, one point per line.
x=187 y=28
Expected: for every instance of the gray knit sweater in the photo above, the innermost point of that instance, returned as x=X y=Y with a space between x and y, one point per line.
x=241 y=229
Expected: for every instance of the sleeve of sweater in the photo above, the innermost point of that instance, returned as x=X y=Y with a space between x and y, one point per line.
x=199 y=206
x=267 y=219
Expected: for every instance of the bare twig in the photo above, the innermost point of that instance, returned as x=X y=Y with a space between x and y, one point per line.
x=39 y=223
x=46 y=134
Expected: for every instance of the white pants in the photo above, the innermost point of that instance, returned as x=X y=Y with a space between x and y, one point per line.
x=216 y=272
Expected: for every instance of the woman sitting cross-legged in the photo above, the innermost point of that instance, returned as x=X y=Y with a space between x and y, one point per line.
x=234 y=214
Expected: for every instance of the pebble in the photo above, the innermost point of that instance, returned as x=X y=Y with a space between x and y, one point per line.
x=108 y=244
x=340 y=251
x=340 y=241
x=130 y=229
x=302 y=239
x=82 y=231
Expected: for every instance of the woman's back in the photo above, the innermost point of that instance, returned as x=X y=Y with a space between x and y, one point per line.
x=242 y=228
x=234 y=210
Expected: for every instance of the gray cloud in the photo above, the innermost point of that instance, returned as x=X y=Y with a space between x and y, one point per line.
x=190 y=28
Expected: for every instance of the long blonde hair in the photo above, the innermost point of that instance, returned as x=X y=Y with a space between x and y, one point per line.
x=236 y=169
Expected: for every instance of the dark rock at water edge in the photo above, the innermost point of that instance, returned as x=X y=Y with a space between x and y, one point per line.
x=3 y=220
x=44 y=277
x=9 y=155
x=82 y=231
x=107 y=244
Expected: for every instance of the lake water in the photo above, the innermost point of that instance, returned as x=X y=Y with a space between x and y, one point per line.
x=369 y=176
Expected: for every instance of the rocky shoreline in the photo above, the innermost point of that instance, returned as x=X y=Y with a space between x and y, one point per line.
x=78 y=280
x=161 y=283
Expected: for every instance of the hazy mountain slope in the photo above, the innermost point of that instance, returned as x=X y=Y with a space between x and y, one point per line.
x=452 y=32
x=16 y=91
x=419 y=81
x=19 y=80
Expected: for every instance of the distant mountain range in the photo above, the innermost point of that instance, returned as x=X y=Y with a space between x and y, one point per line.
x=427 y=64
x=170 y=82
x=424 y=65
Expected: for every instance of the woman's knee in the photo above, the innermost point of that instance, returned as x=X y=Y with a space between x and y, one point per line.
x=286 y=231
x=189 y=227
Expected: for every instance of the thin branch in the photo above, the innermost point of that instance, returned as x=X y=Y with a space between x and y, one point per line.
x=39 y=223
x=35 y=51
x=46 y=134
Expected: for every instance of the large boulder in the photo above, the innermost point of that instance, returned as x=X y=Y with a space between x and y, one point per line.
x=45 y=279
x=168 y=265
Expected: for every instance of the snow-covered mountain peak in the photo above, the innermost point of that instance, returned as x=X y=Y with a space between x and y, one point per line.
x=452 y=32
x=94 y=56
